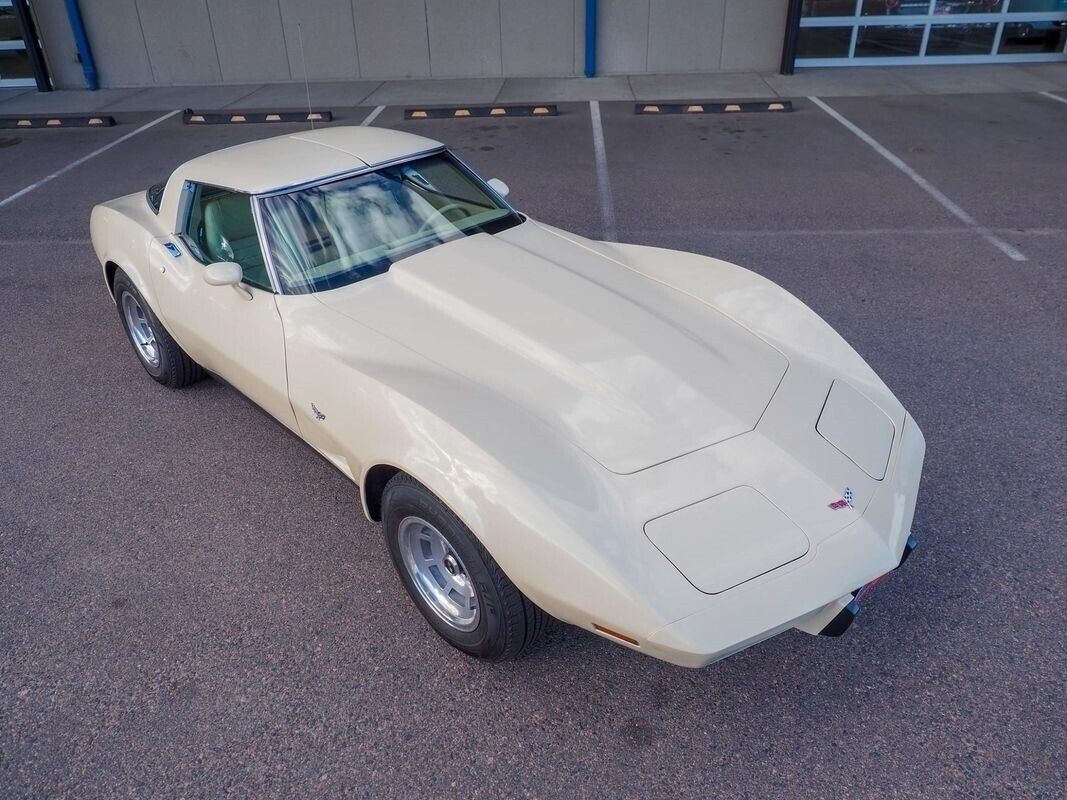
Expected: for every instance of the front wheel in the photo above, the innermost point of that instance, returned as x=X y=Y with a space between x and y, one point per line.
x=156 y=349
x=454 y=582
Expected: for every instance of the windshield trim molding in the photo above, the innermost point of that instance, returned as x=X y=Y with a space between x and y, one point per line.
x=351 y=173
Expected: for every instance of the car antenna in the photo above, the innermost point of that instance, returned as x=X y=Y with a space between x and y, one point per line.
x=304 y=65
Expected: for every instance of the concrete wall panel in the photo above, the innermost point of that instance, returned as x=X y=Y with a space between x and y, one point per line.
x=464 y=38
x=686 y=35
x=179 y=40
x=114 y=30
x=329 y=34
x=176 y=42
x=622 y=36
x=249 y=40
x=391 y=38
x=753 y=35
x=537 y=38
x=58 y=42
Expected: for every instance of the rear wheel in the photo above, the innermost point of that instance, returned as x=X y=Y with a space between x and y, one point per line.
x=456 y=585
x=157 y=351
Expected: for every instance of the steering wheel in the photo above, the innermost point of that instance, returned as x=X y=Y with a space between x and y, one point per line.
x=441 y=212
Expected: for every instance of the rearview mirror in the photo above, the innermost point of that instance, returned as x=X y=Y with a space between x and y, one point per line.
x=223 y=273
x=227 y=273
x=498 y=186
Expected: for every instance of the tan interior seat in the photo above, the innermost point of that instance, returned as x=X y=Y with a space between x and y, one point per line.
x=230 y=235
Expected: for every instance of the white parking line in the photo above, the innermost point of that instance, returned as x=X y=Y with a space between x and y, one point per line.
x=972 y=224
x=1052 y=96
x=83 y=159
x=373 y=115
x=607 y=204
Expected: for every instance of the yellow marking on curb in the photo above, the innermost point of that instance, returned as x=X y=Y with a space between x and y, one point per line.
x=274 y=117
x=776 y=107
x=418 y=115
x=733 y=107
x=695 y=109
x=314 y=115
x=651 y=109
x=541 y=110
x=53 y=122
x=498 y=112
x=238 y=118
x=462 y=112
x=25 y=123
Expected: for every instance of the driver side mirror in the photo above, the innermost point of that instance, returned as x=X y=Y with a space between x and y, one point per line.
x=226 y=273
x=498 y=186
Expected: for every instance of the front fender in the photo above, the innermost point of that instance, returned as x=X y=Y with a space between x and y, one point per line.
x=555 y=521
x=558 y=524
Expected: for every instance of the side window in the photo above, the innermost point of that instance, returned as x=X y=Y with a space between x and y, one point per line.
x=219 y=226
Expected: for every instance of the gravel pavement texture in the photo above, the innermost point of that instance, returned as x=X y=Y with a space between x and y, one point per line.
x=193 y=605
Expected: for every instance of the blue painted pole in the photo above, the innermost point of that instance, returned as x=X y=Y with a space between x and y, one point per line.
x=590 y=38
x=81 y=41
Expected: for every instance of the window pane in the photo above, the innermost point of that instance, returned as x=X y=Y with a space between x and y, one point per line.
x=1036 y=6
x=349 y=230
x=961 y=40
x=221 y=228
x=824 y=42
x=889 y=40
x=828 y=8
x=1033 y=37
x=9 y=26
x=873 y=8
x=15 y=64
x=968 y=6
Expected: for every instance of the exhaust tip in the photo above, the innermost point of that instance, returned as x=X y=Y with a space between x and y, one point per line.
x=909 y=548
x=843 y=621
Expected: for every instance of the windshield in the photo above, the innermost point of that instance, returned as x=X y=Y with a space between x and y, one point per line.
x=337 y=233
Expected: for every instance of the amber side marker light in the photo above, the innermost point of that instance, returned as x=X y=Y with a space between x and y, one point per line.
x=615 y=634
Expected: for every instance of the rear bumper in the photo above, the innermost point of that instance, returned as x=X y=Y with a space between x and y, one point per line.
x=807 y=594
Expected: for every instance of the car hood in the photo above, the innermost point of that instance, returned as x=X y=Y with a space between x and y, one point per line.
x=628 y=369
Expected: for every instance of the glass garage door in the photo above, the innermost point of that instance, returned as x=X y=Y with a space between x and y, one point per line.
x=15 y=68
x=874 y=32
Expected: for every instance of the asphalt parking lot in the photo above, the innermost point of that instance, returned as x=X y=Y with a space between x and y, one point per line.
x=192 y=604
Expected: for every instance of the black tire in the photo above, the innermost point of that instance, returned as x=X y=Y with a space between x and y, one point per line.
x=508 y=622
x=174 y=369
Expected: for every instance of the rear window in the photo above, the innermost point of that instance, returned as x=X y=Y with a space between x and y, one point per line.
x=154 y=196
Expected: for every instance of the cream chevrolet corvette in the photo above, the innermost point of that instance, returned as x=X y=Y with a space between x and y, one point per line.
x=662 y=448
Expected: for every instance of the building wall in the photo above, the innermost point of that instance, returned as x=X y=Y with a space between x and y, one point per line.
x=177 y=42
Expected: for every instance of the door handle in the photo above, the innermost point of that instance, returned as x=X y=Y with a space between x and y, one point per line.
x=172 y=250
